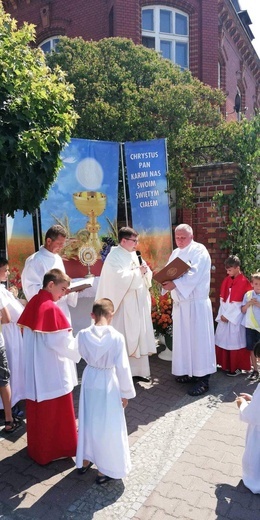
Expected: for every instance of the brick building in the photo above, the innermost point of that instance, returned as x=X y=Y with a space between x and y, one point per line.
x=211 y=38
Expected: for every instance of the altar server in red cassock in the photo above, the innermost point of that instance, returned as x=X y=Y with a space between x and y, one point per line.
x=230 y=337
x=49 y=381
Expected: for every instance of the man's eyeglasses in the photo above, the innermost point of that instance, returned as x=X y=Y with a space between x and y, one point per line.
x=135 y=240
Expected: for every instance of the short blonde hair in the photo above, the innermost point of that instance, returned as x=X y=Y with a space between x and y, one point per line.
x=255 y=276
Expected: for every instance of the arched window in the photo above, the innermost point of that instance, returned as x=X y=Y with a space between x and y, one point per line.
x=49 y=44
x=167 y=31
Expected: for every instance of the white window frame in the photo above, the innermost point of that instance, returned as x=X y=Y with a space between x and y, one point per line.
x=52 y=42
x=170 y=37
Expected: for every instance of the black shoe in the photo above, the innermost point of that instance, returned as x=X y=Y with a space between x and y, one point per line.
x=84 y=469
x=143 y=379
x=102 y=479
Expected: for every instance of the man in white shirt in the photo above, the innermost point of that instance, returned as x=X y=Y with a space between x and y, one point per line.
x=44 y=260
x=193 y=330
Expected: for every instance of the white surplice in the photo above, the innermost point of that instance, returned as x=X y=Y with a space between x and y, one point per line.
x=14 y=347
x=106 y=379
x=122 y=282
x=231 y=335
x=36 y=266
x=193 y=330
x=48 y=357
x=250 y=413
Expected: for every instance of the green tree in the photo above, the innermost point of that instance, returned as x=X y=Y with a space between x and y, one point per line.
x=36 y=119
x=126 y=92
x=243 y=229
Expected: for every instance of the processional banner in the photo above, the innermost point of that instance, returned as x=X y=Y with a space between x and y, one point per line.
x=146 y=163
x=83 y=199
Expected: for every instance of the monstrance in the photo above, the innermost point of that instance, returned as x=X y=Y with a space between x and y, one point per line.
x=87 y=256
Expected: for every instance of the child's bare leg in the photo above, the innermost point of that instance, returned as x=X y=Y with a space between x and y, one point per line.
x=5 y=392
x=254 y=361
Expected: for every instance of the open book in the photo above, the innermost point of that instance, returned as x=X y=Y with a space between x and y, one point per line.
x=172 y=271
x=81 y=284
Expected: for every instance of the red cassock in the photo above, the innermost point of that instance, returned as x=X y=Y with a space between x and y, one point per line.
x=51 y=424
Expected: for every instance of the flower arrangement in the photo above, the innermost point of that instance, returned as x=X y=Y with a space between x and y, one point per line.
x=15 y=284
x=162 y=312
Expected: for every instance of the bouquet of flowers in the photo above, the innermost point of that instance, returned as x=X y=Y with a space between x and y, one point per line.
x=162 y=313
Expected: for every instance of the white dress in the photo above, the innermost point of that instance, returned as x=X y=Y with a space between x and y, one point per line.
x=102 y=437
x=250 y=413
x=14 y=347
x=33 y=273
x=193 y=330
x=122 y=282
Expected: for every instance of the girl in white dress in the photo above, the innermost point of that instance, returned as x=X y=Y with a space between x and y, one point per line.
x=106 y=387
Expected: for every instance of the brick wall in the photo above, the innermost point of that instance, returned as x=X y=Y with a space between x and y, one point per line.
x=209 y=228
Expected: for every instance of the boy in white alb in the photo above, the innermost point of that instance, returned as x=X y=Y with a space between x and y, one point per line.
x=49 y=347
x=106 y=387
x=249 y=408
x=230 y=336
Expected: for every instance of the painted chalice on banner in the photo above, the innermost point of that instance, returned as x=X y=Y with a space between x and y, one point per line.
x=87 y=256
x=91 y=203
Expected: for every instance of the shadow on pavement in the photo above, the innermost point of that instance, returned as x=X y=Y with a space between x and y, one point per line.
x=233 y=502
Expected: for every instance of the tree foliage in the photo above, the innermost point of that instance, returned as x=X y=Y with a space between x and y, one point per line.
x=243 y=230
x=126 y=92
x=36 y=119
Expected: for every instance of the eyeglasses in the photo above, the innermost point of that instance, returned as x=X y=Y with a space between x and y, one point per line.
x=135 y=240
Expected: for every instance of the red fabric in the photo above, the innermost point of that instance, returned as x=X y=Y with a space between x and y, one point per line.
x=41 y=314
x=51 y=429
x=232 y=359
x=239 y=286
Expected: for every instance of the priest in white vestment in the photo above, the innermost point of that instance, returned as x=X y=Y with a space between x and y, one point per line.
x=126 y=283
x=193 y=330
x=44 y=260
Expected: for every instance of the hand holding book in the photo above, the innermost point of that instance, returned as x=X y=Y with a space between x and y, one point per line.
x=171 y=271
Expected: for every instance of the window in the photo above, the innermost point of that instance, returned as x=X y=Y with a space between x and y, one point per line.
x=49 y=44
x=167 y=31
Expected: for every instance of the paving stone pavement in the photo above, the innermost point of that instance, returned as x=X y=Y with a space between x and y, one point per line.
x=186 y=456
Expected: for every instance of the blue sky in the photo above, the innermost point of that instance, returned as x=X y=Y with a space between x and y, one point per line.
x=253 y=8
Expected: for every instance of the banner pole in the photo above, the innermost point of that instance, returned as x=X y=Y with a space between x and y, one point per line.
x=124 y=184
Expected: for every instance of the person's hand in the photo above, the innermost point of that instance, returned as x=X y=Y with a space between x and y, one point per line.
x=124 y=402
x=168 y=286
x=255 y=302
x=247 y=397
x=223 y=319
x=239 y=401
x=143 y=269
